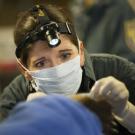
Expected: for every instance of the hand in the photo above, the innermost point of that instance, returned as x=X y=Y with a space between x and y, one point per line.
x=114 y=91
x=35 y=95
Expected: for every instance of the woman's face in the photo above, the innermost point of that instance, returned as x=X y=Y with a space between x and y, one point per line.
x=42 y=56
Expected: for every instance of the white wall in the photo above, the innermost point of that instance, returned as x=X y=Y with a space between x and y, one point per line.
x=7 y=46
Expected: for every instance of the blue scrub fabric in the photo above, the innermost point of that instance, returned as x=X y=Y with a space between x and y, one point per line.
x=51 y=115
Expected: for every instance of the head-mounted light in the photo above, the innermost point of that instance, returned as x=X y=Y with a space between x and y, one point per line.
x=51 y=33
x=46 y=30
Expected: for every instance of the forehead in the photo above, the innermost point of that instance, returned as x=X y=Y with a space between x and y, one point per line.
x=42 y=46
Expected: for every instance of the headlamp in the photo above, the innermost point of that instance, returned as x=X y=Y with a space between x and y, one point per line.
x=46 y=30
x=51 y=33
x=53 y=39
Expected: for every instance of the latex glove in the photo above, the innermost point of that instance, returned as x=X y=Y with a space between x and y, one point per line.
x=114 y=91
x=35 y=95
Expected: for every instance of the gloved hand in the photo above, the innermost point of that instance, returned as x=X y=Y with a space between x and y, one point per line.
x=35 y=95
x=114 y=91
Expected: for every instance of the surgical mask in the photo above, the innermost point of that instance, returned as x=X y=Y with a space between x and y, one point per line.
x=62 y=79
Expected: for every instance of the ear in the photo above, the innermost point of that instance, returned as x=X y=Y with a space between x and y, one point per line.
x=23 y=70
x=81 y=53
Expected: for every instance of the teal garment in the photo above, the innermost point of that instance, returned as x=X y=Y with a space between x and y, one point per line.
x=96 y=66
x=105 y=28
x=51 y=115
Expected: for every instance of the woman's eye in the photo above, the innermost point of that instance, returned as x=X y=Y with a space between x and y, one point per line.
x=40 y=64
x=66 y=56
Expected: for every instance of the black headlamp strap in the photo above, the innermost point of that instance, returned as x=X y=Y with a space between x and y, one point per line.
x=63 y=28
x=44 y=25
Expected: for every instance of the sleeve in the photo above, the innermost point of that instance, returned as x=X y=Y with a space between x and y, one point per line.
x=128 y=118
x=15 y=92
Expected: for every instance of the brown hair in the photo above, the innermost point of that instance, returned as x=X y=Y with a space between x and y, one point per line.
x=28 y=21
x=101 y=108
x=103 y=111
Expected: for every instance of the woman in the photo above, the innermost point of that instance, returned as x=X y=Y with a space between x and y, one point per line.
x=53 y=60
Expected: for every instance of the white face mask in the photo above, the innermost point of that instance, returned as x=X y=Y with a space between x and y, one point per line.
x=62 y=79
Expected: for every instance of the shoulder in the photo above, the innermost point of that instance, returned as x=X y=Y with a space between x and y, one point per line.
x=18 y=86
x=19 y=80
x=107 y=64
x=104 y=57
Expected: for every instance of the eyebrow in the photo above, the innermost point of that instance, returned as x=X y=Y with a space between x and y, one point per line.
x=39 y=59
x=65 y=50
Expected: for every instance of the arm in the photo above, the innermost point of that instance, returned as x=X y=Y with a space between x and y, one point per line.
x=15 y=92
x=116 y=93
x=111 y=65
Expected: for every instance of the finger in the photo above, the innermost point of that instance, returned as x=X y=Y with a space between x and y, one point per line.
x=106 y=89
x=112 y=87
x=95 y=89
x=117 y=98
x=123 y=94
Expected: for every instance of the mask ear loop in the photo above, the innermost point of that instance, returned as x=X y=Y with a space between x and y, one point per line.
x=33 y=83
x=24 y=68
